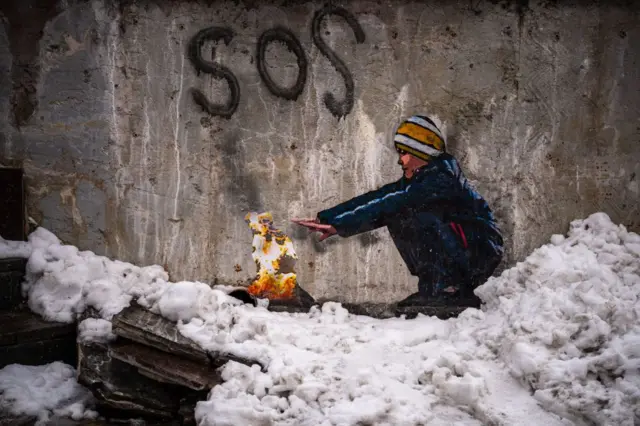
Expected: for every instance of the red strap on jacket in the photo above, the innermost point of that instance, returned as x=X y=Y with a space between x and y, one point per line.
x=460 y=233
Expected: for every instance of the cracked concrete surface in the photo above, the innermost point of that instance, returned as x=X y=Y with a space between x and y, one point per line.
x=539 y=100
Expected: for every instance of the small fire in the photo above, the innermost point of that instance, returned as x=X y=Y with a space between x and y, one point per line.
x=275 y=258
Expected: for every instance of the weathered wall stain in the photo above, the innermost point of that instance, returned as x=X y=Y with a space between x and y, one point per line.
x=26 y=22
x=119 y=159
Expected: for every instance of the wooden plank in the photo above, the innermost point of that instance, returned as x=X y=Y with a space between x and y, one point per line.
x=25 y=326
x=165 y=367
x=38 y=353
x=138 y=324
x=118 y=386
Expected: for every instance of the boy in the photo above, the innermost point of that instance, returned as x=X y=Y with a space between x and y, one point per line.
x=443 y=229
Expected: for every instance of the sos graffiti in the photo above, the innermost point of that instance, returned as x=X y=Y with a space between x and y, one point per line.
x=338 y=108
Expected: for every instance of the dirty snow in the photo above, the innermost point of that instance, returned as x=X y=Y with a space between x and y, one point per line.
x=44 y=390
x=557 y=341
x=95 y=330
x=40 y=238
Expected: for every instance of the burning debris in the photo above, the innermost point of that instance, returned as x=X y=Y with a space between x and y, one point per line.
x=275 y=259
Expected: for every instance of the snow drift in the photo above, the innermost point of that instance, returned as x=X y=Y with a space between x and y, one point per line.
x=40 y=391
x=557 y=340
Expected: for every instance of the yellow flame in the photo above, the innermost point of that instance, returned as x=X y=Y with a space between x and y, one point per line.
x=272 y=250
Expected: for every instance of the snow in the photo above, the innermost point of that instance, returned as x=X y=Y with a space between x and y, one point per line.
x=40 y=238
x=557 y=340
x=95 y=330
x=43 y=390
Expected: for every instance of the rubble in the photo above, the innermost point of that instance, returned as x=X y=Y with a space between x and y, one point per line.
x=142 y=326
x=139 y=325
x=164 y=367
x=150 y=370
x=120 y=390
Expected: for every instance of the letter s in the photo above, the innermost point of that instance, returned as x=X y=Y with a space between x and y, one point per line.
x=337 y=108
x=216 y=70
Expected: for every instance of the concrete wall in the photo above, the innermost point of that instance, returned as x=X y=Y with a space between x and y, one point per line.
x=540 y=102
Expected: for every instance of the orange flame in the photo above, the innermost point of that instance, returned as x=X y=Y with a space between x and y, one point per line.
x=274 y=256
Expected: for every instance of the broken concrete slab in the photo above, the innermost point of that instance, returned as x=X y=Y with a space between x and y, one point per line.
x=120 y=390
x=142 y=326
x=164 y=367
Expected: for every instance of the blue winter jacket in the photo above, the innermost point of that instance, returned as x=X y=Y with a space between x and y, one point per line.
x=419 y=213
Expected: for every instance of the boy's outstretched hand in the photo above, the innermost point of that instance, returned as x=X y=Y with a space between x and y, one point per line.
x=315 y=226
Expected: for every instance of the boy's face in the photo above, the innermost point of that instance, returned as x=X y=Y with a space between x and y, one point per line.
x=409 y=163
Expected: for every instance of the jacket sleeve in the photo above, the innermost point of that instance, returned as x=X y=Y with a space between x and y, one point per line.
x=330 y=216
x=375 y=209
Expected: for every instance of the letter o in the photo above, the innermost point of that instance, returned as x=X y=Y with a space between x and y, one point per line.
x=289 y=39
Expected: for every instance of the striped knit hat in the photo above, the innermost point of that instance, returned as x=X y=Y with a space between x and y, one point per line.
x=419 y=136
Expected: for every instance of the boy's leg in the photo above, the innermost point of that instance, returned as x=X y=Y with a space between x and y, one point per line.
x=485 y=254
x=485 y=266
x=445 y=273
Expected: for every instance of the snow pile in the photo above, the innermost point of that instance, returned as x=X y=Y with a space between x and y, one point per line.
x=62 y=281
x=559 y=336
x=40 y=238
x=43 y=390
x=564 y=325
x=567 y=322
